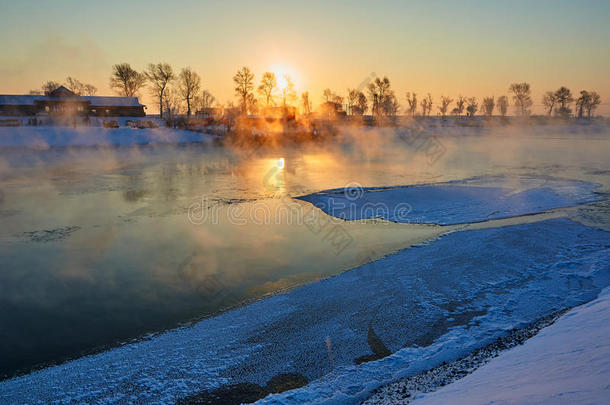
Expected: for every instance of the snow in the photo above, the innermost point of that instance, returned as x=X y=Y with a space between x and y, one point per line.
x=49 y=136
x=455 y=202
x=105 y=101
x=403 y=391
x=568 y=362
x=15 y=99
x=487 y=280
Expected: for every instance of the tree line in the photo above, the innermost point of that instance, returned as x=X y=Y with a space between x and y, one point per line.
x=182 y=92
x=560 y=100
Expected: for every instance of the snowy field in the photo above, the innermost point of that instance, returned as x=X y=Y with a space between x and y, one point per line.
x=50 y=136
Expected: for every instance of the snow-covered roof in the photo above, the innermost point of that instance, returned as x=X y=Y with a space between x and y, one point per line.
x=62 y=91
x=112 y=101
x=15 y=99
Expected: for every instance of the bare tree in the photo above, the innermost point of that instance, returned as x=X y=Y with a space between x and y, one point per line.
x=252 y=104
x=460 y=104
x=356 y=102
x=159 y=75
x=202 y=102
x=267 y=87
x=74 y=84
x=588 y=101
x=206 y=100
x=332 y=103
x=328 y=95
x=89 y=90
x=80 y=88
x=488 y=106
x=49 y=86
x=426 y=105
x=172 y=106
x=352 y=96
x=390 y=104
x=337 y=99
x=445 y=101
x=125 y=80
x=581 y=103
x=244 y=83
x=379 y=91
x=412 y=102
x=522 y=97
x=305 y=103
x=593 y=103
x=189 y=84
x=361 y=104
x=563 y=97
x=472 y=106
x=289 y=95
x=549 y=100
x=503 y=105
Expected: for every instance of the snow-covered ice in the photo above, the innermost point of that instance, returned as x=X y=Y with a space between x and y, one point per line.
x=427 y=304
x=566 y=363
x=455 y=202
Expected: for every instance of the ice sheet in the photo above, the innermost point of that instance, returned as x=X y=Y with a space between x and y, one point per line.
x=462 y=201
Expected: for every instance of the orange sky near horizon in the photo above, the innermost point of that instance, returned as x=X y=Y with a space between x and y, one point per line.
x=472 y=48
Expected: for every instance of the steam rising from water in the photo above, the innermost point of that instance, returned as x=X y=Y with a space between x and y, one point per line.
x=130 y=203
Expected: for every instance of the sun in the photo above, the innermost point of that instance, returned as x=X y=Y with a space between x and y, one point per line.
x=285 y=75
x=282 y=83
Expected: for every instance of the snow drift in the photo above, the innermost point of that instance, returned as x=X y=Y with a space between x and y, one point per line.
x=568 y=362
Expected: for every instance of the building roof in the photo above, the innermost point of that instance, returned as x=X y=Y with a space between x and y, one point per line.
x=112 y=101
x=62 y=91
x=15 y=99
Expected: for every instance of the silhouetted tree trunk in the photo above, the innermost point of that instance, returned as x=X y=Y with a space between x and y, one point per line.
x=244 y=83
x=522 y=96
x=267 y=87
x=125 y=80
x=190 y=84
x=503 y=105
x=445 y=102
x=159 y=75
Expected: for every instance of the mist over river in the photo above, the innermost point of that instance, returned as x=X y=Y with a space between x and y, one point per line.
x=101 y=245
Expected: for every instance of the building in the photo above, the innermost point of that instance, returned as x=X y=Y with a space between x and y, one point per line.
x=62 y=102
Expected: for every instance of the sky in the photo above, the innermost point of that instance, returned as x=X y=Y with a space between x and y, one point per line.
x=467 y=47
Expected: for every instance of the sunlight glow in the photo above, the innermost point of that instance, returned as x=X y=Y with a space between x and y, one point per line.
x=282 y=83
x=284 y=73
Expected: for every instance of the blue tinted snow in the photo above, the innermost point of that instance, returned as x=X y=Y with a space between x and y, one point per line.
x=456 y=202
